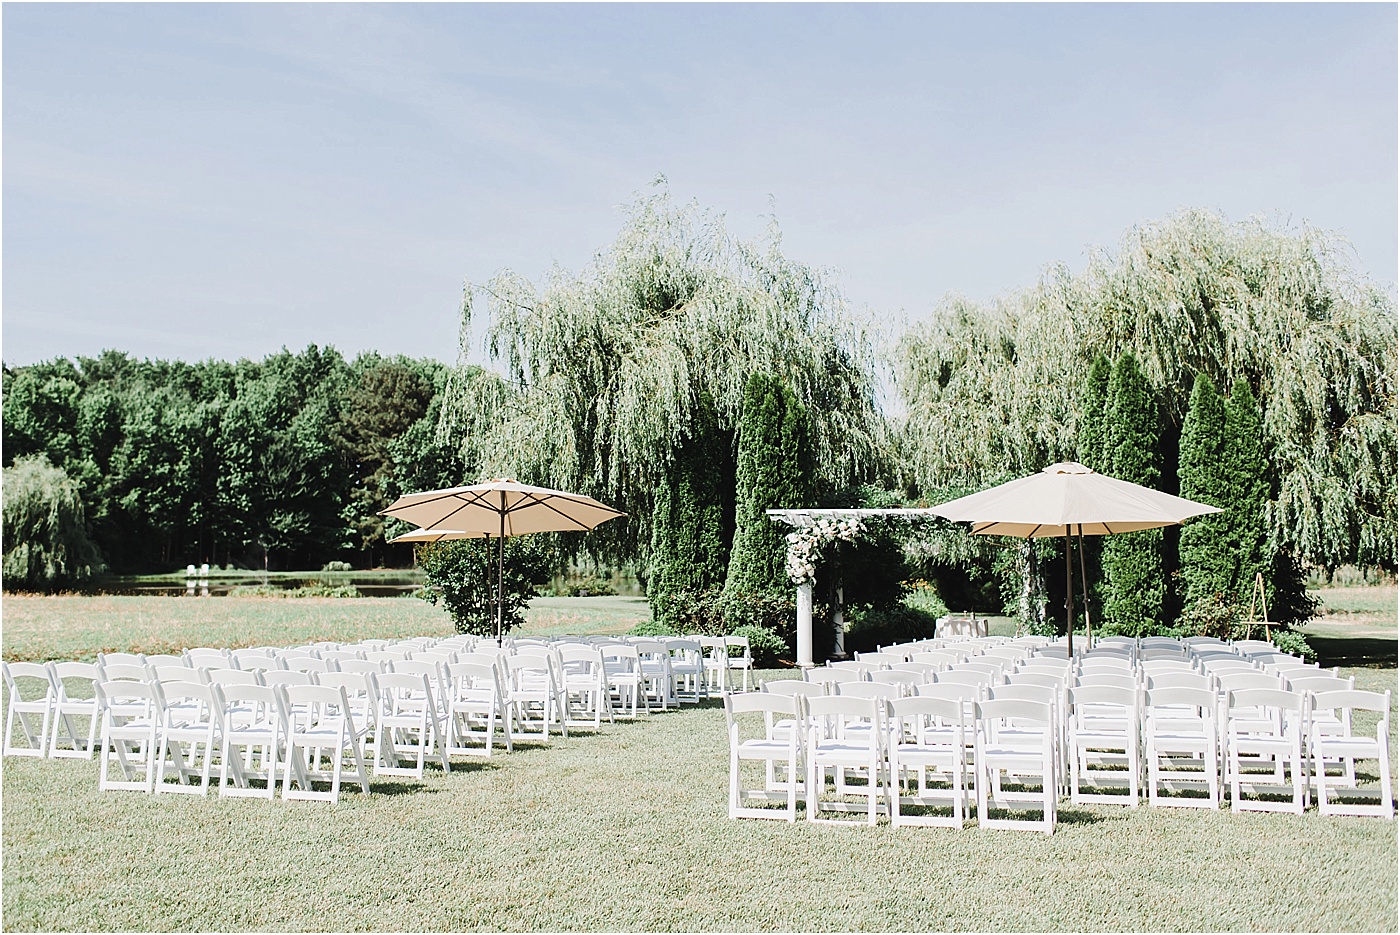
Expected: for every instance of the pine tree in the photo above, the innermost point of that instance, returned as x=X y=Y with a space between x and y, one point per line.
x=692 y=527
x=1207 y=549
x=772 y=471
x=1247 y=469
x=1134 y=579
x=1093 y=408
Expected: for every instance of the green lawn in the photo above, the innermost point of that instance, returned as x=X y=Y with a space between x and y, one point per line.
x=623 y=830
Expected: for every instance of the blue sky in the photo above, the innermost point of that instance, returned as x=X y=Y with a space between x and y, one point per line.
x=221 y=180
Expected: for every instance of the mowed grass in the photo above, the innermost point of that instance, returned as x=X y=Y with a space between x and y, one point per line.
x=626 y=830
x=1356 y=612
x=75 y=627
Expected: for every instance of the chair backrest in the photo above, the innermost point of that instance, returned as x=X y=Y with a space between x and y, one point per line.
x=905 y=680
x=939 y=657
x=1017 y=709
x=1317 y=684
x=925 y=671
x=1101 y=677
x=125 y=692
x=206 y=658
x=825 y=675
x=399 y=688
x=881 y=660
x=1035 y=678
x=991 y=665
x=209 y=700
x=226 y=677
x=180 y=674
x=1356 y=700
x=123 y=672
x=840 y=710
x=1082 y=695
x=466 y=677
x=360 y=666
x=14 y=672
x=966 y=677
x=121 y=659
x=1203 y=700
x=342 y=655
x=763 y=703
x=1038 y=693
x=945 y=710
x=82 y=673
x=321 y=701
x=863 y=668
x=1261 y=698
x=864 y=689
x=308 y=664
x=286 y=678
x=1158 y=666
x=738 y=642
x=1196 y=680
x=792 y=687
x=1235 y=681
x=167 y=659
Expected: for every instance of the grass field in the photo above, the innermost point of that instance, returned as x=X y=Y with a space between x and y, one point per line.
x=622 y=830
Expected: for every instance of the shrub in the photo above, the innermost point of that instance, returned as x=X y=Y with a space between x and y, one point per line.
x=1291 y=641
x=767 y=647
x=773 y=612
x=462 y=575
x=652 y=628
x=870 y=627
x=337 y=566
x=589 y=587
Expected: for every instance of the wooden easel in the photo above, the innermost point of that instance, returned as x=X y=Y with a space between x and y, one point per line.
x=1257 y=596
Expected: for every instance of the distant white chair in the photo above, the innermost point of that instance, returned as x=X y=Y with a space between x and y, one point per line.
x=191 y=732
x=740 y=661
x=255 y=725
x=407 y=724
x=477 y=708
x=1104 y=744
x=131 y=717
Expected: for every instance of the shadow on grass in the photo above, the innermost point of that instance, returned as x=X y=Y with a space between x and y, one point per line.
x=1078 y=816
x=385 y=786
x=1359 y=651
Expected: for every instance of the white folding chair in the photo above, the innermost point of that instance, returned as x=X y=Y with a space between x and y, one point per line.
x=764 y=747
x=845 y=733
x=1348 y=746
x=716 y=659
x=75 y=701
x=1182 y=732
x=928 y=744
x=191 y=731
x=655 y=668
x=1104 y=744
x=131 y=717
x=1264 y=727
x=477 y=708
x=689 y=684
x=31 y=697
x=534 y=697
x=624 y=671
x=406 y=725
x=317 y=742
x=740 y=657
x=255 y=725
x=1015 y=738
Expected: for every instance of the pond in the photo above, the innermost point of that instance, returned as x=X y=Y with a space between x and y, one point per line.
x=396 y=583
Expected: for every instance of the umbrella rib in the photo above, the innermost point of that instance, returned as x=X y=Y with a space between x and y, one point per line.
x=536 y=501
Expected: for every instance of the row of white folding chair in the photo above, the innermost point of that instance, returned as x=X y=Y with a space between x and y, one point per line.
x=147 y=728
x=897 y=746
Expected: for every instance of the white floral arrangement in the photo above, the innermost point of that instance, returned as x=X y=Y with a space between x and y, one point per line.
x=806 y=543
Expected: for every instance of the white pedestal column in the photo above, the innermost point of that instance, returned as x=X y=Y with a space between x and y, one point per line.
x=839 y=649
x=804 y=625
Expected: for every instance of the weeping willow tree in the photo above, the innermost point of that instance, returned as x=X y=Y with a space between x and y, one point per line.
x=996 y=388
x=601 y=372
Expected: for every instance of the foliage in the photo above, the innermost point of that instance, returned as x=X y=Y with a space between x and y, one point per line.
x=773 y=471
x=654 y=628
x=225 y=463
x=337 y=566
x=765 y=646
x=314 y=590
x=776 y=612
x=1093 y=409
x=1134 y=579
x=604 y=370
x=1291 y=641
x=693 y=611
x=996 y=389
x=870 y=627
x=1209 y=547
x=46 y=540
x=692 y=520
x=463 y=575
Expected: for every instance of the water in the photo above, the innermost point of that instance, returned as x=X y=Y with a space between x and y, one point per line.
x=378 y=584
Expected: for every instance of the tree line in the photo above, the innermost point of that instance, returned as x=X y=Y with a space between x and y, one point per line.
x=285 y=460
x=693 y=380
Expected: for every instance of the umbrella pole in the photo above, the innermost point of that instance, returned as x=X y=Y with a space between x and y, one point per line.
x=501 y=574
x=1069 y=596
x=1084 y=589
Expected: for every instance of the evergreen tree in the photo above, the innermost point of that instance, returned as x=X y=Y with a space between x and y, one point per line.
x=1134 y=578
x=1093 y=409
x=1208 y=546
x=693 y=525
x=773 y=471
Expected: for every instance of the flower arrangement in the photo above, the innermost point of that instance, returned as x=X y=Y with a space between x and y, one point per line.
x=806 y=543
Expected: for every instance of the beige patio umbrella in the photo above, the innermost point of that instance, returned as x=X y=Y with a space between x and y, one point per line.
x=1067 y=499
x=498 y=508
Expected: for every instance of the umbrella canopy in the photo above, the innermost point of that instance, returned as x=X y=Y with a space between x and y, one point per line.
x=500 y=508
x=1068 y=498
x=497 y=508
